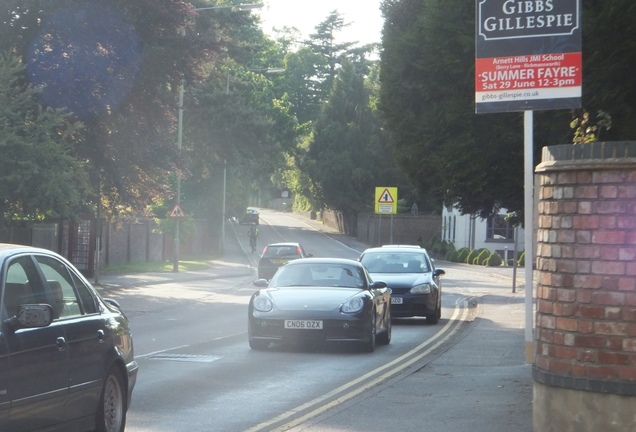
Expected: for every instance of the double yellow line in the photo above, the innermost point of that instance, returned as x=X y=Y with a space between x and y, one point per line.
x=363 y=383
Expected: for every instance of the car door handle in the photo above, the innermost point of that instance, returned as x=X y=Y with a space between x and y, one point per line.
x=100 y=336
x=61 y=343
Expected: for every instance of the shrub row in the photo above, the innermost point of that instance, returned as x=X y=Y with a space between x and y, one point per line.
x=482 y=257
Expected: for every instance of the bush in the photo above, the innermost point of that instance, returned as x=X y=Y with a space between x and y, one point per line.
x=452 y=256
x=449 y=246
x=471 y=256
x=471 y=259
x=482 y=257
x=494 y=260
x=437 y=247
x=522 y=259
x=463 y=255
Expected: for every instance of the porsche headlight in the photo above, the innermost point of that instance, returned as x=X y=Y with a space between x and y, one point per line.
x=353 y=305
x=262 y=303
x=424 y=288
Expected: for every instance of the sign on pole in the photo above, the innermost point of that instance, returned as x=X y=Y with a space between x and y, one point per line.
x=176 y=212
x=386 y=200
x=528 y=55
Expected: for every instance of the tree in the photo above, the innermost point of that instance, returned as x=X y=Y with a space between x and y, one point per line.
x=117 y=65
x=347 y=155
x=40 y=174
x=427 y=97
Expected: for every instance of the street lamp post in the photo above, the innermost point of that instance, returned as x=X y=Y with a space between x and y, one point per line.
x=175 y=249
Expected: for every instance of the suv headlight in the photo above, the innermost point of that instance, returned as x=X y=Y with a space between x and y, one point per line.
x=262 y=303
x=353 y=305
x=424 y=288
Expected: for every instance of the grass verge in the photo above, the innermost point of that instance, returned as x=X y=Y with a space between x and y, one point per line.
x=188 y=264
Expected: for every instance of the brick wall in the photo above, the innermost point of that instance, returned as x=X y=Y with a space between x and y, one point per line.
x=586 y=268
x=374 y=230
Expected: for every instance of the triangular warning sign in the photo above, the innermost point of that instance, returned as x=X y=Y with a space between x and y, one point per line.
x=176 y=212
x=386 y=198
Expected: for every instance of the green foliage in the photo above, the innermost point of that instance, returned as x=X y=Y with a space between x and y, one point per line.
x=521 y=261
x=40 y=174
x=482 y=257
x=584 y=130
x=345 y=147
x=436 y=246
x=452 y=256
x=463 y=255
x=167 y=225
x=470 y=258
x=427 y=96
x=494 y=260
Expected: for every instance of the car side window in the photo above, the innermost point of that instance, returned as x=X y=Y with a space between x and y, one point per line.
x=64 y=301
x=88 y=300
x=22 y=285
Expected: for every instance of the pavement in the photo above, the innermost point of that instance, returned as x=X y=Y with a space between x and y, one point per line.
x=482 y=383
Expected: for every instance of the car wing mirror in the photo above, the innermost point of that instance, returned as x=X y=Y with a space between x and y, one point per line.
x=378 y=284
x=439 y=272
x=113 y=302
x=261 y=283
x=31 y=316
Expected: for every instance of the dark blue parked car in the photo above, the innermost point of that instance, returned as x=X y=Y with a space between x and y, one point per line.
x=416 y=288
x=66 y=354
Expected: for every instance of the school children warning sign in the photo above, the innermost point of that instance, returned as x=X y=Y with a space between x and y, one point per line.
x=528 y=55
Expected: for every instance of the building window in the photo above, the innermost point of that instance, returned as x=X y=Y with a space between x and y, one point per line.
x=498 y=229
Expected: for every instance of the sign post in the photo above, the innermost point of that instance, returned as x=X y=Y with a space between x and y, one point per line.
x=527 y=57
x=176 y=213
x=386 y=203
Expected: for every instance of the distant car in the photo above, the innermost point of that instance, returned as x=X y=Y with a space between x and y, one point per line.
x=275 y=255
x=66 y=354
x=416 y=289
x=320 y=300
x=251 y=216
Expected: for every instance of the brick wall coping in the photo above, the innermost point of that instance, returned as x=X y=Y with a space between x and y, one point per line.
x=596 y=155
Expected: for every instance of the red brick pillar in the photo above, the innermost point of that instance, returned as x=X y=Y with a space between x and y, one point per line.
x=585 y=341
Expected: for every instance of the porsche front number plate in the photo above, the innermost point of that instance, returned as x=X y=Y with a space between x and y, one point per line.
x=396 y=300
x=303 y=324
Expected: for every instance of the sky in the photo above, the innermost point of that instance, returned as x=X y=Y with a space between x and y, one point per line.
x=364 y=16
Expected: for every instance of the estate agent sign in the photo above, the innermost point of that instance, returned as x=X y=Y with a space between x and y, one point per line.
x=528 y=55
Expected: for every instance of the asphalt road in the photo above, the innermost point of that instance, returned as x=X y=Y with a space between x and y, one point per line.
x=197 y=372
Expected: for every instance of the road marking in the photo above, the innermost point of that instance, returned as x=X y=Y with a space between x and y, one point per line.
x=453 y=324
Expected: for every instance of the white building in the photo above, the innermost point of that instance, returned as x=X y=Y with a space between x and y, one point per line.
x=474 y=232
